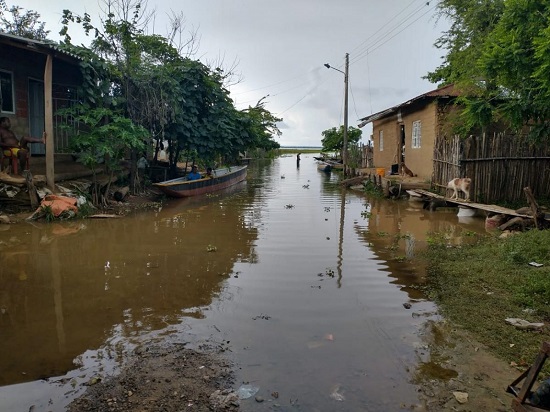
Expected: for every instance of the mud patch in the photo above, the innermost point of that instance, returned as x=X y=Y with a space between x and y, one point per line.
x=451 y=362
x=166 y=379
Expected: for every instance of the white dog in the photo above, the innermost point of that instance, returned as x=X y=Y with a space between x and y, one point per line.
x=460 y=184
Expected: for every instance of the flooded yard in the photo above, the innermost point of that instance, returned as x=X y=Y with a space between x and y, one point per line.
x=311 y=290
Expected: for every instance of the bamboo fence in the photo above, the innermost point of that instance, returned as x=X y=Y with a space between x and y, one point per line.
x=500 y=166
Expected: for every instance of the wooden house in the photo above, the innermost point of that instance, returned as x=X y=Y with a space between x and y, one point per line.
x=36 y=79
x=408 y=132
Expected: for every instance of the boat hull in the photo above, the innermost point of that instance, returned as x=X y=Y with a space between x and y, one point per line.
x=184 y=188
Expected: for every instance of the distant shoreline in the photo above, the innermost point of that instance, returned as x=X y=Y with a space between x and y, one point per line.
x=300 y=149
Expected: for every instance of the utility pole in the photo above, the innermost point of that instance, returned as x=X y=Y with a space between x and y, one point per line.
x=345 y=148
x=346 y=78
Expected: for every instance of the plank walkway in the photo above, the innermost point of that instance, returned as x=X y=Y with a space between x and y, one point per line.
x=480 y=206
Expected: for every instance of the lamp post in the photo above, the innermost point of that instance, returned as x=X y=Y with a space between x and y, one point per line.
x=346 y=77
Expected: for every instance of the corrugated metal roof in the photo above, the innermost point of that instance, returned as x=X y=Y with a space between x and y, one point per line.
x=37 y=45
x=445 y=91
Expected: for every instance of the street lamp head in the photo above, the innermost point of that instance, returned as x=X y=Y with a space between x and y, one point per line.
x=327 y=65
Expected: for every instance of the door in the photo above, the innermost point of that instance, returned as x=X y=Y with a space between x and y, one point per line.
x=36 y=115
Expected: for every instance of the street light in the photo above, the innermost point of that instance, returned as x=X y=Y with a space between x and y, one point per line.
x=346 y=76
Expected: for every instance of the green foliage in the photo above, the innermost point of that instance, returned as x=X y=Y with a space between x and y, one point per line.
x=333 y=139
x=25 y=24
x=175 y=98
x=500 y=66
x=103 y=136
x=372 y=189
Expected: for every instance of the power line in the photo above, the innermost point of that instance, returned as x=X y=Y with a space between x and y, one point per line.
x=382 y=27
x=383 y=38
x=366 y=48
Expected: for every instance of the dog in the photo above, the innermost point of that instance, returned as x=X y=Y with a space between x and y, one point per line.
x=462 y=184
x=406 y=171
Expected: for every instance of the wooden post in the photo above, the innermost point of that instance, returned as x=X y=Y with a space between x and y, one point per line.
x=386 y=189
x=31 y=189
x=538 y=216
x=48 y=123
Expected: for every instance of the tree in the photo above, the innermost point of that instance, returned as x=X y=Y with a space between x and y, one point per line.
x=472 y=22
x=517 y=57
x=25 y=24
x=333 y=139
x=104 y=137
x=175 y=98
x=498 y=54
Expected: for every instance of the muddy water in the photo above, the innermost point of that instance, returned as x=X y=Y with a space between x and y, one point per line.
x=304 y=285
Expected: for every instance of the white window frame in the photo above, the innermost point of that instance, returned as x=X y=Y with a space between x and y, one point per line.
x=7 y=90
x=416 y=141
x=381 y=140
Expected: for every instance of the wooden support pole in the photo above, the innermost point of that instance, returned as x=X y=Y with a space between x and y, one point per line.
x=538 y=216
x=31 y=189
x=48 y=123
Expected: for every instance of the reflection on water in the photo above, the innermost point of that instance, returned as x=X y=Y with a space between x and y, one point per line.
x=307 y=283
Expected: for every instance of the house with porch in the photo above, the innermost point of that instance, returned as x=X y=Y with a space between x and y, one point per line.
x=407 y=133
x=36 y=79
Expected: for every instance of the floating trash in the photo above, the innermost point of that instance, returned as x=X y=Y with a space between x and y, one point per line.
x=247 y=391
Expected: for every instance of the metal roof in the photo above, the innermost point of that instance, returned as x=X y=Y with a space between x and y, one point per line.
x=38 y=46
x=445 y=91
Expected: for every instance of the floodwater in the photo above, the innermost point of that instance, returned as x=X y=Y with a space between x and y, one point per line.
x=305 y=284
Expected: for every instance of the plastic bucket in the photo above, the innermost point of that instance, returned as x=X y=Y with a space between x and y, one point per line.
x=380 y=171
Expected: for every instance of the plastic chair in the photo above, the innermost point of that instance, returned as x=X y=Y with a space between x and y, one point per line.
x=11 y=162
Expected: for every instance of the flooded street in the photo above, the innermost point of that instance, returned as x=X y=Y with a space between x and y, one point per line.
x=306 y=284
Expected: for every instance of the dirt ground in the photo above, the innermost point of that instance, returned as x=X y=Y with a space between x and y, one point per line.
x=455 y=366
x=164 y=379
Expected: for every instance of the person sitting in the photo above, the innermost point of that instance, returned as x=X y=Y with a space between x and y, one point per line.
x=13 y=147
x=194 y=174
x=209 y=173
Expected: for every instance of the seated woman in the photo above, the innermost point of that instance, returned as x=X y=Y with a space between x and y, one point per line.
x=194 y=174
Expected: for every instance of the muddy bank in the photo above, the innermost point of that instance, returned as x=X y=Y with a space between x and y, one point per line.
x=457 y=373
x=164 y=379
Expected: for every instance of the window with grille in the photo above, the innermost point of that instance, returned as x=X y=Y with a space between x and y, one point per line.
x=416 y=135
x=381 y=140
x=6 y=92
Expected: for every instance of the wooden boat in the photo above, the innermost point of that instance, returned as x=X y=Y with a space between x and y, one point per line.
x=324 y=167
x=335 y=164
x=222 y=178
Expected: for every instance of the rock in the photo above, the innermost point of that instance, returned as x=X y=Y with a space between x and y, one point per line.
x=220 y=400
x=461 y=397
x=4 y=219
x=523 y=324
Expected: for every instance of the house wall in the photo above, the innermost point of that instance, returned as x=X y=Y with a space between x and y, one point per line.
x=388 y=156
x=25 y=65
x=418 y=160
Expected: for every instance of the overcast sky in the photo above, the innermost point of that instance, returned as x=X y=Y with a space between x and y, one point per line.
x=280 y=48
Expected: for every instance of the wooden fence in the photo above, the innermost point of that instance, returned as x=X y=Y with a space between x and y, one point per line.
x=500 y=166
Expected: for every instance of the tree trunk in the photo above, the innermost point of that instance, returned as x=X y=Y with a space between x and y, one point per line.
x=121 y=193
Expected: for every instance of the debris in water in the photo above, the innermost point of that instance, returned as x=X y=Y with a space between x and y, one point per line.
x=336 y=395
